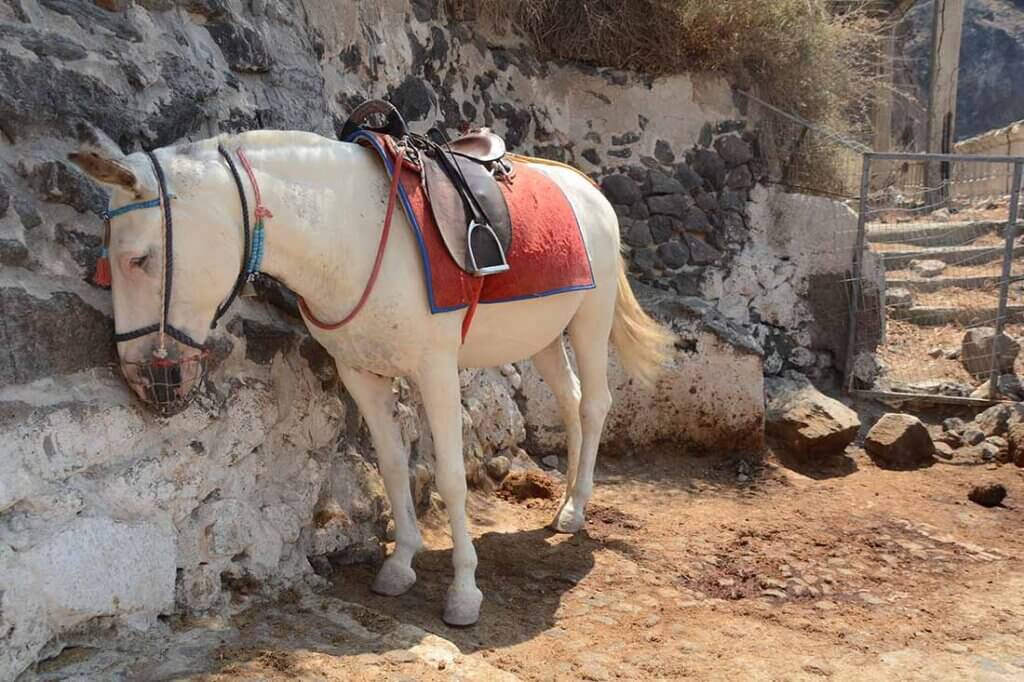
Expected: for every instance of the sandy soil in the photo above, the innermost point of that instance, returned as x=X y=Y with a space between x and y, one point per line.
x=841 y=571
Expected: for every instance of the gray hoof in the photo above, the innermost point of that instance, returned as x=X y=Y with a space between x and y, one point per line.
x=393 y=580
x=463 y=608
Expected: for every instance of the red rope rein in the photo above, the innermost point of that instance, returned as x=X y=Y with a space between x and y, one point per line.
x=375 y=273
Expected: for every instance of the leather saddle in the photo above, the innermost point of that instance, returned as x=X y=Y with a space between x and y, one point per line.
x=461 y=179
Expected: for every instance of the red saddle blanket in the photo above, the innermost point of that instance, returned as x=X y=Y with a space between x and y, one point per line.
x=547 y=256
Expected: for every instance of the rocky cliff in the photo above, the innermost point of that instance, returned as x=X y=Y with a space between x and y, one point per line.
x=110 y=516
x=991 y=88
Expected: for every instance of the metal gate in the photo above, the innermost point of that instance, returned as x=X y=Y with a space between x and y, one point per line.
x=937 y=280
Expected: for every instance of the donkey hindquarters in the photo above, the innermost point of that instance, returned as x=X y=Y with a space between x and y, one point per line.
x=428 y=349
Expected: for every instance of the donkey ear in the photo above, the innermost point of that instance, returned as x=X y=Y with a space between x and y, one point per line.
x=108 y=171
x=102 y=159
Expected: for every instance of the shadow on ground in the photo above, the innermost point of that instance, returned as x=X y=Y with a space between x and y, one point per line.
x=523 y=576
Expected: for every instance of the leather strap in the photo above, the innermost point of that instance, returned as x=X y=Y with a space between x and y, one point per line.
x=375 y=273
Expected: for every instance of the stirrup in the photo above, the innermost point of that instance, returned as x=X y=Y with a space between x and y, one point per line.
x=476 y=270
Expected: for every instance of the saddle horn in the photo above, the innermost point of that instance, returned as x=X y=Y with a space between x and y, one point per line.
x=394 y=125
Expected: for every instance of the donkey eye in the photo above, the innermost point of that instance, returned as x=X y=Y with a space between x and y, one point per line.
x=139 y=261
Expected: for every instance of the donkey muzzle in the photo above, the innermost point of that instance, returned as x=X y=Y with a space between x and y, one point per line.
x=166 y=384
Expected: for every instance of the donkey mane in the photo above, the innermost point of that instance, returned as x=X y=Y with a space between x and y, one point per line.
x=255 y=140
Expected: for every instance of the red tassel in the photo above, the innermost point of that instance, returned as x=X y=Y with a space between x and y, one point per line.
x=101 y=277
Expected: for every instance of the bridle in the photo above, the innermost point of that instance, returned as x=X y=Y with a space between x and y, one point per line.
x=250 y=265
x=157 y=380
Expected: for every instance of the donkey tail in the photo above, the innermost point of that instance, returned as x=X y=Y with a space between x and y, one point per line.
x=643 y=344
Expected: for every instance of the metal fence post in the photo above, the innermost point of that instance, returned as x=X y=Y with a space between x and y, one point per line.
x=858 y=268
x=1004 y=283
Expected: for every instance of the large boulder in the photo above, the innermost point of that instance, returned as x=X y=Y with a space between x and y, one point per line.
x=899 y=441
x=1015 y=444
x=807 y=421
x=976 y=352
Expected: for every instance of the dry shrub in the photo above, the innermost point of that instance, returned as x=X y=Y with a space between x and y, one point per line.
x=796 y=53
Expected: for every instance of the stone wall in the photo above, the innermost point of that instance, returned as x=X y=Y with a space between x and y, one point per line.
x=111 y=516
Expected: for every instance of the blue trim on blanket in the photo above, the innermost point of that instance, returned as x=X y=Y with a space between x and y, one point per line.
x=425 y=257
x=411 y=215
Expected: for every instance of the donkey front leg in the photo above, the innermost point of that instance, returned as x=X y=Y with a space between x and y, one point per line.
x=375 y=398
x=438 y=381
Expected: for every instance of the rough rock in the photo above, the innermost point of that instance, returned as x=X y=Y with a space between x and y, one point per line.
x=710 y=166
x=988 y=495
x=1015 y=444
x=58 y=334
x=675 y=205
x=674 y=254
x=899 y=298
x=733 y=150
x=954 y=424
x=688 y=178
x=995 y=448
x=498 y=467
x=928 y=268
x=660 y=183
x=662 y=228
x=621 y=189
x=739 y=179
x=943 y=450
x=702 y=253
x=808 y=422
x=976 y=352
x=1008 y=387
x=973 y=436
x=94 y=568
x=243 y=47
x=5 y=197
x=639 y=235
x=899 y=441
x=998 y=419
x=56 y=181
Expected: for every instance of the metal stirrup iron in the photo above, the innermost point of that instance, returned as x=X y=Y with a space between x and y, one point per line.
x=485 y=229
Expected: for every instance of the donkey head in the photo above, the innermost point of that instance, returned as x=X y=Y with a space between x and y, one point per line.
x=174 y=249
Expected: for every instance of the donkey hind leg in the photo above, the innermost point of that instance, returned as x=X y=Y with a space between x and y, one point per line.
x=438 y=381
x=376 y=401
x=553 y=365
x=589 y=332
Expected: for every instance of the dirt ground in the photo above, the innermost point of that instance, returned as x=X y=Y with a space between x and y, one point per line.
x=842 y=571
x=908 y=352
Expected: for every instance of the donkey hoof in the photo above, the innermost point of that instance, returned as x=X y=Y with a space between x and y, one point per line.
x=568 y=520
x=463 y=608
x=393 y=579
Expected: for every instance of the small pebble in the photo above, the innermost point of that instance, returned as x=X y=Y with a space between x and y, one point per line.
x=551 y=461
x=988 y=495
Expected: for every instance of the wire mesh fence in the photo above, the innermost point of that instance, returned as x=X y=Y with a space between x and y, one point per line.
x=806 y=157
x=945 y=317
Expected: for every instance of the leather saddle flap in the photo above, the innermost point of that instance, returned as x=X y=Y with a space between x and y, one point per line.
x=452 y=218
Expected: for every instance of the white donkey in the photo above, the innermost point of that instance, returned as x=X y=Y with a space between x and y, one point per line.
x=328 y=201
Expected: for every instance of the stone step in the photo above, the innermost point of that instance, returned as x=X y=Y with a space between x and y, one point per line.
x=929 y=284
x=936 y=316
x=931 y=234
x=953 y=255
